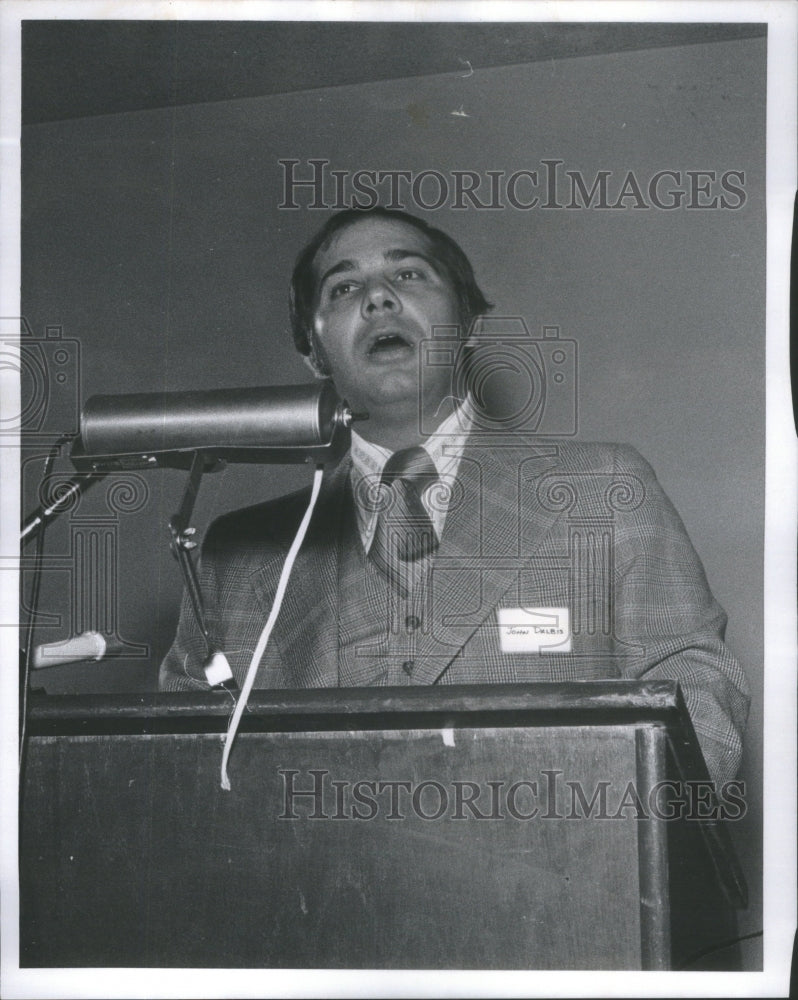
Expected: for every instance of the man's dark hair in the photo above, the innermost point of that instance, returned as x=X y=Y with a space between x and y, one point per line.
x=447 y=256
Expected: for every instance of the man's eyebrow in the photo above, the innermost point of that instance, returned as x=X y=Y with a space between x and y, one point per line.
x=403 y=254
x=342 y=265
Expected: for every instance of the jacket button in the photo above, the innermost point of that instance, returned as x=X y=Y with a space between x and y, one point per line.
x=412 y=623
x=407 y=666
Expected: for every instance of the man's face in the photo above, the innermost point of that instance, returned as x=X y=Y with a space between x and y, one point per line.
x=378 y=294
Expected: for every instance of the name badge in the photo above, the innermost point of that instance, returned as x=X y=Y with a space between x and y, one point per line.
x=535 y=630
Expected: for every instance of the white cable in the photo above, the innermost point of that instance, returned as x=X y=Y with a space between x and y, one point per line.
x=257 y=656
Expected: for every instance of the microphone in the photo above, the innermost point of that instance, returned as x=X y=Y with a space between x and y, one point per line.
x=282 y=416
x=282 y=423
x=86 y=646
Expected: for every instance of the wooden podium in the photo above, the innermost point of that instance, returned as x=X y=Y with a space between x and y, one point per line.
x=507 y=827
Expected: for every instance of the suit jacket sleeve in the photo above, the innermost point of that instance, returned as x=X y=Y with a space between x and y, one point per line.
x=673 y=625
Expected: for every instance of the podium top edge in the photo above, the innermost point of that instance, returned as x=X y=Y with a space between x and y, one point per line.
x=592 y=702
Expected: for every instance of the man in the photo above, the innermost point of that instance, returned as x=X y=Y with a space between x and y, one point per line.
x=450 y=547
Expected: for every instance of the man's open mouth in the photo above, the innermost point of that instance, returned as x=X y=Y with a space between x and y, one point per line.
x=389 y=343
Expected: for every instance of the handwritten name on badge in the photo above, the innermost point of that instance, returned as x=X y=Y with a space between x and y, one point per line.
x=535 y=630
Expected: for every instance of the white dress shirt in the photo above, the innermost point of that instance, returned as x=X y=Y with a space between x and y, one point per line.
x=444 y=447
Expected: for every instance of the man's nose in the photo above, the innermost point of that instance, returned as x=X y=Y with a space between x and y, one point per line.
x=378 y=297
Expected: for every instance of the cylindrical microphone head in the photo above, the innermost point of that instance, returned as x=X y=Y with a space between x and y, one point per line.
x=281 y=416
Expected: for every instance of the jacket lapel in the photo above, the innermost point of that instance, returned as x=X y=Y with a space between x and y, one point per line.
x=306 y=630
x=494 y=524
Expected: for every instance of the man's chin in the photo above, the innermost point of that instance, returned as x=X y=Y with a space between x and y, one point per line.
x=393 y=395
x=391 y=386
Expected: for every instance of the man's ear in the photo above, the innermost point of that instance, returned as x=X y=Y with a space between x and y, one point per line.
x=316 y=360
x=470 y=328
x=319 y=370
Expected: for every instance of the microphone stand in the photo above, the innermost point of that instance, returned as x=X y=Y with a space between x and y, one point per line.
x=42 y=516
x=183 y=543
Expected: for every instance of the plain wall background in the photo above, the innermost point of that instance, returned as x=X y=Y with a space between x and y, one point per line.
x=155 y=240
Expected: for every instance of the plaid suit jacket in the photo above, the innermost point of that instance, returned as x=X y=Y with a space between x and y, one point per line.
x=579 y=526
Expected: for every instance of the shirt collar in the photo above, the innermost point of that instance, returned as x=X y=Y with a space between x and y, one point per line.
x=444 y=446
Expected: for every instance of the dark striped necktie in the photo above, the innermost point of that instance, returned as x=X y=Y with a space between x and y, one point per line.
x=404 y=531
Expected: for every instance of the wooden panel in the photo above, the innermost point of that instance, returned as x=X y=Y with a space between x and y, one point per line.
x=132 y=854
x=702 y=896
x=655 y=911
